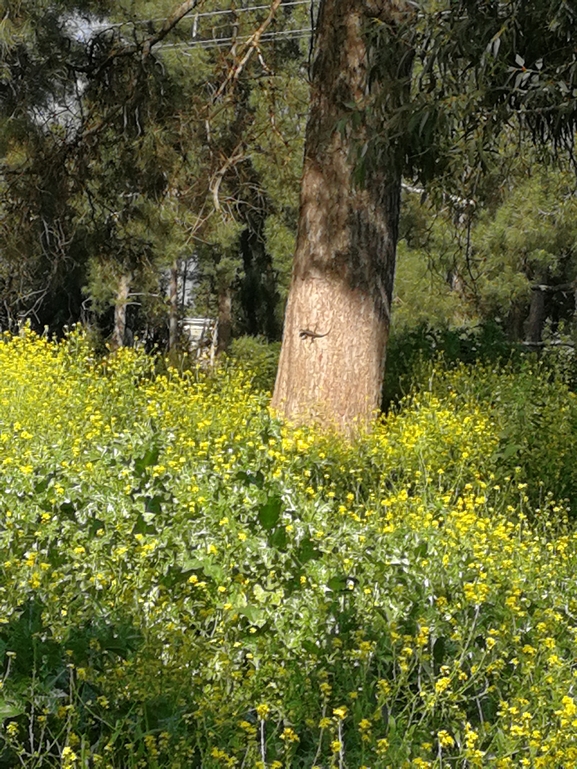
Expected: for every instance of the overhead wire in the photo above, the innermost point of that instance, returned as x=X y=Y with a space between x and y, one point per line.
x=207 y=14
x=289 y=34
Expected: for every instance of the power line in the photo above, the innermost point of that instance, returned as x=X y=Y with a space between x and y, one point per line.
x=207 y=14
x=219 y=42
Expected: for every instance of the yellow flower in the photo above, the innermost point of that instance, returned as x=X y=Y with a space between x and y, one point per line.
x=382 y=746
x=445 y=739
x=69 y=757
x=442 y=684
x=336 y=746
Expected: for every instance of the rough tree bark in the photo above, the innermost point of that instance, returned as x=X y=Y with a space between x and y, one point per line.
x=338 y=313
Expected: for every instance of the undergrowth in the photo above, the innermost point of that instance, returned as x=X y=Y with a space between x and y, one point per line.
x=186 y=582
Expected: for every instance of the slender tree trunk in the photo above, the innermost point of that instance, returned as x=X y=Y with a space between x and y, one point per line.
x=536 y=319
x=173 y=310
x=119 y=333
x=224 y=319
x=338 y=313
x=515 y=321
x=184 y=279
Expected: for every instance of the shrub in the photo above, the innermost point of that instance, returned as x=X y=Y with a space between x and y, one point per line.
x=257 y=356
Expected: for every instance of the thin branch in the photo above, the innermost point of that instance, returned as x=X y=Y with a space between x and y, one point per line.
x=564 y=287
x=129 y=50
x=252 y=45
x=462 y=202
x=179 y=14
x=236 y=157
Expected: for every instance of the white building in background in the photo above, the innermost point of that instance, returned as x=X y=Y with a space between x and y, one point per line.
x=200 y=334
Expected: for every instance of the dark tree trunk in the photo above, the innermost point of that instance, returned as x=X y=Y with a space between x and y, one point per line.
x=338 y=313
x=515 y=321
x=536 y=319
x=173 y=309
x=122 y=294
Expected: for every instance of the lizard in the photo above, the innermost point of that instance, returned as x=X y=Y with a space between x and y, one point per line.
x=306 y=333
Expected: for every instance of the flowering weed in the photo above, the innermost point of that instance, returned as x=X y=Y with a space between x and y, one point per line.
x=187 y=582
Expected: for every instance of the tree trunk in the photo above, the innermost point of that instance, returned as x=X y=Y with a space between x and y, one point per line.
x=515 y=321
x=173 y=309
x=338 y=312
x=536 y=319
x=224 y=319
x=119 y=333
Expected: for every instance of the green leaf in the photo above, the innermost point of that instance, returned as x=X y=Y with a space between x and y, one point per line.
x=269 y=513
x=439 y=651
x=139 y=526
x=307 y=551
x=253 y=614
x=10 y=709
x=421 y=550
x=153 y=505
x=251 y=479
x=338 y=583
x=510 y=451
x=279 y=538
x=95 y=526
x=312 y=648
x=43 y=484
x=149 y=459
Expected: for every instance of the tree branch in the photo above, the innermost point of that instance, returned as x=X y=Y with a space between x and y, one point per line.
x=236 y=157
x=251 y=46
x=565 y=287
x=455 y=199
x=182 y=10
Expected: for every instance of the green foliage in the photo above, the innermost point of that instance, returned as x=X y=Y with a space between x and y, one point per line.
x=422 y=295
x=187 y=582
x=459 y=264
x=531 y=399
x=116 y=164
x=412 y=352
x=258 y=357
x=479 y=69
x=530 y=239
x=537 y=414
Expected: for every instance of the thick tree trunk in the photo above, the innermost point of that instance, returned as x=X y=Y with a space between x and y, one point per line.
x=122 y=293
x=173 y=308
x=338 y=313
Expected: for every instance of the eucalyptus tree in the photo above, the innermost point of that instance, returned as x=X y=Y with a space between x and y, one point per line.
x=401 y=89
